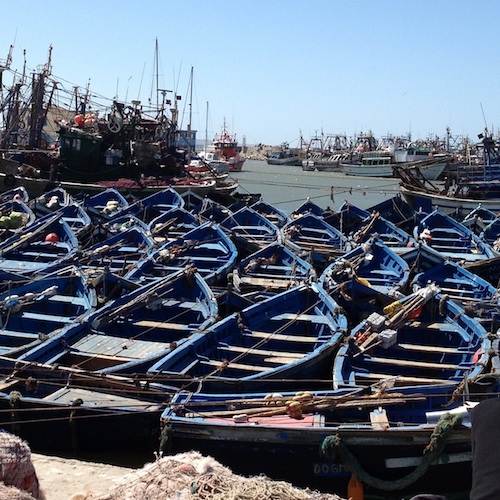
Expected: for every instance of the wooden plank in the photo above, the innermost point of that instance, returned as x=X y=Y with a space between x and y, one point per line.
x=144 y=323
x=260 y=352
x=68 y=299
x=280 y=360
x=401 y=378
x=46 y=317
x=429 y=348
x=416 y=364
x=236 y=366
x=189 y=367
x=43 y=255
x=312 y=318
x=22 y=335
x=443 y=327
x=282 y=337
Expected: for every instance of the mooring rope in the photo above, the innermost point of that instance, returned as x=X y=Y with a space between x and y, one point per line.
x=334 y=449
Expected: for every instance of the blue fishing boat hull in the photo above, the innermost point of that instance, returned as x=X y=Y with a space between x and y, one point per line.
x=283 y=341
x=381 y=435
x=133 y=331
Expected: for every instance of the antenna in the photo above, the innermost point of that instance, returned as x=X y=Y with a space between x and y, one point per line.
x=484 y=118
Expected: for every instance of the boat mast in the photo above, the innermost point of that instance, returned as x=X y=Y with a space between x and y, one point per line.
x=206 y=133
x=38 y=113
x=5 y=65
x=157 y=78
x=190 y=100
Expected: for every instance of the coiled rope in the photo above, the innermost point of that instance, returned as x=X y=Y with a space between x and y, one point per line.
x=334 y=449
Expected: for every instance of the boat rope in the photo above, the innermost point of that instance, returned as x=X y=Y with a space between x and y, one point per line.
x=225 y=363
x=365 y=230
x=334 y=449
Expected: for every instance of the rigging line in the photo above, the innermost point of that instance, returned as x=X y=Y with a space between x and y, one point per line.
x=320 y=187
x=122 y=381
x=263 y=341
x=99 y=414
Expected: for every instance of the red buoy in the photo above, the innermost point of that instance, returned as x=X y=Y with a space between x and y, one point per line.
x=52 y=238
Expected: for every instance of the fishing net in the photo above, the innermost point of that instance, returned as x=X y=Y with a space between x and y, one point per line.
x=194 y=477
x=16 y=469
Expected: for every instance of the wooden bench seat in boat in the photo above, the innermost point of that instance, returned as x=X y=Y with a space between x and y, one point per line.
x=185 y=304
x=97 y=344
x=69 y=394
x=260 y=280
x=236 y=366
x=377 y=281
x=407 y=380
x=46 y=317
x=431 y=348
x=144 y=323
x=415 y=364
x=281 y=336
x=260 y=352
x=443 y=327
x=68 y=299
x=274 y=276
x=456 y=291
x=44 y=255
x=21 y=335
x=311 y=318
x=458 y=281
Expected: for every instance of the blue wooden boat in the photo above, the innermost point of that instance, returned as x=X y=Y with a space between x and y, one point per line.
x=119 y=253
x=307 y=207
x=31 y=312
x=270 y=212
x=172 y=224
x=15 y=216
x=478 y=218
x=316 y=438
x=116 y=225
x=105 y=205
x=192 y=201
x=78 y=219
x=107 y=285
x=421 y=258
x=313 y=236
x=212 y=211
x=271 y=269
x=360 y=225
x=49 y=242
x=146 y=209
x=374 y=264
x=207 y=248
x=478 y=297
x=70 y=418
x=451 y=238
x=250 y=230
x=425 y=339
x=51 y=201
x=131 y=332
x=491 y=234
x=286 y=340
x=16 y=193
x=398 y=211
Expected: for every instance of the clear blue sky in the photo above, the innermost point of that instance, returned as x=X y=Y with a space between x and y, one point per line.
x=274 y=69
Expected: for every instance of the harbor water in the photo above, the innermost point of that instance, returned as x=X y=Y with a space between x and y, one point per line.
x=287 y=187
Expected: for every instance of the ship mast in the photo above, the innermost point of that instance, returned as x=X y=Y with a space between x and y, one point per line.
x=190 y=100
x=38 y=112
x=206 y=132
